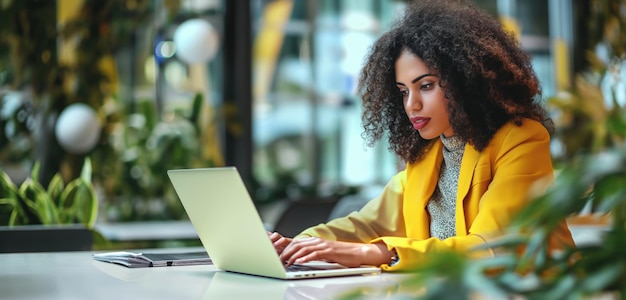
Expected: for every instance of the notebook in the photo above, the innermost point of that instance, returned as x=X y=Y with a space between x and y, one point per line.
x=144 y=260
x=231 y=230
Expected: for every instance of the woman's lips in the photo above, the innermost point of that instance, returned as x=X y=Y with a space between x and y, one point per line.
x=419 y=122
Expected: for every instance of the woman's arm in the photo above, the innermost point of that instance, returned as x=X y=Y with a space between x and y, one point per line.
x=346 y=240
x=348 y=254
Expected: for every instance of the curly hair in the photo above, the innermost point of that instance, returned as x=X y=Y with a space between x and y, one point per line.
x=487 y=76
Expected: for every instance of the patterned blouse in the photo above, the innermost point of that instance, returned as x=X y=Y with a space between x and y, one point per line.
x=442 y=204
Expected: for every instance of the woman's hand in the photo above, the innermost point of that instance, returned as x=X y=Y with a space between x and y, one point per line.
x=348 y=254
x=280 y=242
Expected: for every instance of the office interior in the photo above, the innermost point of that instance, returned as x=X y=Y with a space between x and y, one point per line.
x=118 y=91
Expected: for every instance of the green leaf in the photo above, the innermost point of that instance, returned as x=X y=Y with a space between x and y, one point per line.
x=27 y=192
x=47 y=209
x=39 y=202
x=536 y=246
x=55 y=188
x=11 y=197
x=609 y=192
x=9 y=189
x=66 y=199
x=474 y=274
x=562 y=288
x=518 y=283
x=89 y=206
x=86 y=171
x=14 y=209
x=13 y=218
x=80 y=203
x=34 y=173
x=602 y=278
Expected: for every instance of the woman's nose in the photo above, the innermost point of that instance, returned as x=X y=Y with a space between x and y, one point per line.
x=413 y=102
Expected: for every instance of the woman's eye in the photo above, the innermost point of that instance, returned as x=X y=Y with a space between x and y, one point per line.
x=404 y=92
x=427 y=86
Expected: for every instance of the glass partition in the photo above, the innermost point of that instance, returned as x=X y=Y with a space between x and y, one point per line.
x=306 y=120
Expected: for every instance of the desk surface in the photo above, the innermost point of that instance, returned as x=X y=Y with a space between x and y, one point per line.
x=75 y=275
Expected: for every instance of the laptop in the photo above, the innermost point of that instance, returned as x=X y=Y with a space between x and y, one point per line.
x=231 y=230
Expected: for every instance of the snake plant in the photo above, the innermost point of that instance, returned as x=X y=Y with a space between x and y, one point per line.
x=30 y=203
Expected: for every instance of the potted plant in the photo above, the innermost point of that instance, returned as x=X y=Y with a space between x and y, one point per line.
x=59 y=217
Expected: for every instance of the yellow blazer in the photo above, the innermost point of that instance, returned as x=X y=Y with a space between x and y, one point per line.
x=494 y=184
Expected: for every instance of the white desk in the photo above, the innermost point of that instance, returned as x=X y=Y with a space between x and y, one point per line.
x=75 y=275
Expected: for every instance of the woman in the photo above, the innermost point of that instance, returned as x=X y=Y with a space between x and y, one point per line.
x=458 y=99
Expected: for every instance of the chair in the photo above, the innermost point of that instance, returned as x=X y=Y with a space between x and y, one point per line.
x=347 y=205
x=303 y=213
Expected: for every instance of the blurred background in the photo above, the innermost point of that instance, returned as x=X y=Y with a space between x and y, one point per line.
x=98 y=98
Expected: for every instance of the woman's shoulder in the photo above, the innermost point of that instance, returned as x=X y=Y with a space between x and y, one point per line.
x=527 y=129
x=526 y=125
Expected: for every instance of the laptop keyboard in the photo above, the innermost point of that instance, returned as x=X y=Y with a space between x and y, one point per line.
x=293 y=268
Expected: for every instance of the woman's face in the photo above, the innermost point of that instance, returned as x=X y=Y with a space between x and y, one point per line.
x=423 y=98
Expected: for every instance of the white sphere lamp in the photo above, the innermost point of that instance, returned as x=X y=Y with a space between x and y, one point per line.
x=78 y=128
x=196 y=41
